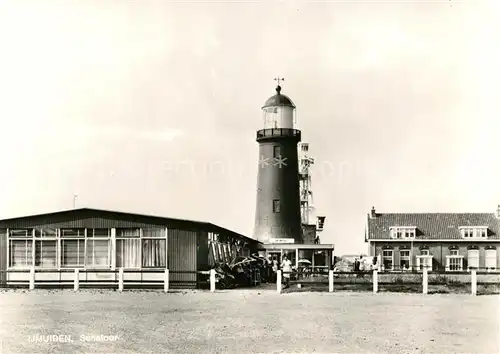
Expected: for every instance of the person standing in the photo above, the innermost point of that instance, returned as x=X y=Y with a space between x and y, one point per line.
x=286 y=266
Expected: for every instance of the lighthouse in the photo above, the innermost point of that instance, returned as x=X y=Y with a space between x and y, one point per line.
x=277 y=216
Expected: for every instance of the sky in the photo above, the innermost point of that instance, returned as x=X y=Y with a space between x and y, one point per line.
x=152 y=106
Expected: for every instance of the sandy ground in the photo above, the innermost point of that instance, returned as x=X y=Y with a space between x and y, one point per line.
x=249 y=321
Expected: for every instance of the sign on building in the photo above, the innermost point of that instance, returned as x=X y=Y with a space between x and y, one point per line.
x=281 y=240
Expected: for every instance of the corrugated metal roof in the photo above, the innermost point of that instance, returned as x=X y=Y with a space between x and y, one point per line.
x=89 y=213
x=433 y=226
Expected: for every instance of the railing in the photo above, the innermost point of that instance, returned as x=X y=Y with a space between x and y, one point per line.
x=278 y=132
x=101 y=278
x=390 y=281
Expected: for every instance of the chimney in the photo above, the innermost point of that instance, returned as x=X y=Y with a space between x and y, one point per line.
x=373 y=214
x=498 y=211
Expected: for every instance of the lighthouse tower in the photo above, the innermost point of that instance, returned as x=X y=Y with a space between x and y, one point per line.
x=277 y=216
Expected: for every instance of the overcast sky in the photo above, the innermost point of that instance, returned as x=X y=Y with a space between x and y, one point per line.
x=152 y=106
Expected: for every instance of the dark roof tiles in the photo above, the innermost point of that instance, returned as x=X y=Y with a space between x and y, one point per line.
x=432 y=226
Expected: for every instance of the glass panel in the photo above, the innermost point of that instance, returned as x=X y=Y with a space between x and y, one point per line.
x=73 y=253
x=128 y=232
x=456 y=264
x=98 y=253
x=21 y=253
x=98 y=233
x=46 y=254
x=128 y=253
x=146 y=233
x=20 y=233
x=46 y=232
x=72 y=232
x=153 y=253
x=388 y=263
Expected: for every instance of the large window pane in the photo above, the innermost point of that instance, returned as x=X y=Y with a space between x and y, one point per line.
x=20 y=233
x=72 y=233
x=73 y=253
x=98 y=232
x=98 y=253
x=47 y=232
x=21 y=253
x=128 y=253
x=46 y=254
x=404 y=259
x=153 y=253
x=128 y=233
x=147 y=233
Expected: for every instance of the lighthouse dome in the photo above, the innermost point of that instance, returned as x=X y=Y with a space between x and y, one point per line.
x=278 y=100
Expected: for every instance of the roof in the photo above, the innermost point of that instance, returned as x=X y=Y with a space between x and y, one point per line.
x=278 y=100
x=300 y=246
x=432 y=226
x=111 y=214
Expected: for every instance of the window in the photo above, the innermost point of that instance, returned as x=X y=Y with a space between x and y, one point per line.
x=455 y=264
x=46 y=254
x=468 y=233
x=474 y=231
x=387 y=259
x=21 y=253
x=153 y=253
x=491 y=259
x=277 y=151
x=154 y=248
x=20 y=248
x=20 y=233
x=424 y=260
x=276 y=206
x=454 y=261
x=98 y=248
x=128 y=248
x=73 y=253
x=46 y=233
x=403 y=232
x=404 y=259
x=472 y=259
x=46 y=248
x=72 y=248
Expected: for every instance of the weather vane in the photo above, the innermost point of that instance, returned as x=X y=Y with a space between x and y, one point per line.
x=279 y=79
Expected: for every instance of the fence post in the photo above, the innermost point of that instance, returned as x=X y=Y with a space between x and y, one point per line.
x=77 y=280
x=32 y=278
x=474 y=281
x=425 y=281
x=166 y=282
x=330 y=280
x=278 y=281
x=212 y=280
x=120 y=279
x=375 y=281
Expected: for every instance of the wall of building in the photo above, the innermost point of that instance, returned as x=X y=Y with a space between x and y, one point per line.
x=439 y=251
x=309 y=234
x=182 y=256
x=278 y=183
x=3 y=256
